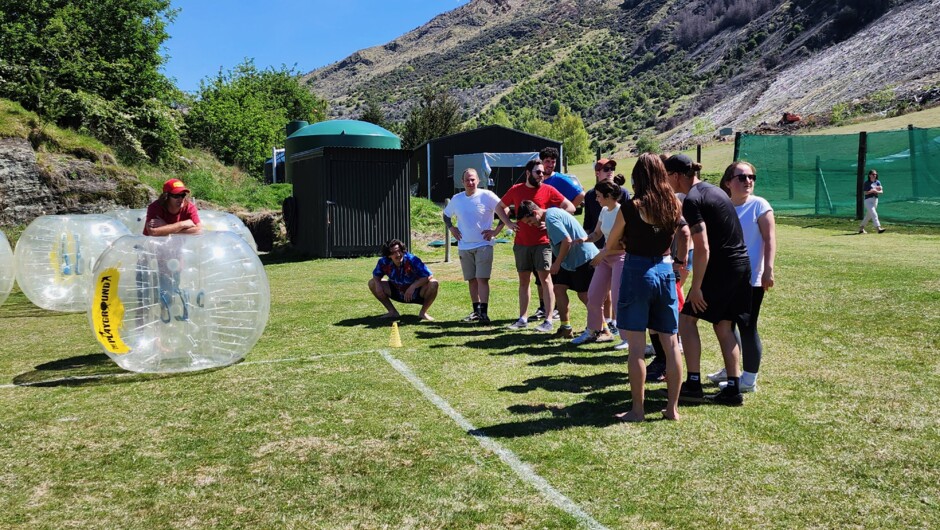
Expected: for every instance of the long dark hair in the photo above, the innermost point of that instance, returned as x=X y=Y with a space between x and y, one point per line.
x=653 y=195
x=387 y=247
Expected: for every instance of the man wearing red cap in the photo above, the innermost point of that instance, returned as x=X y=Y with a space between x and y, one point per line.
x=172 y=212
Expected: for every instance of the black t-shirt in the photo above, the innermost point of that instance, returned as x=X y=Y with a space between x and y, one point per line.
x=592 y=212
x=709 y=204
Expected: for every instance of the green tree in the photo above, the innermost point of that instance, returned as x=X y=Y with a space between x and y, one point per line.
x=568 y=127
x=437 y=114
x=94 y=66
x=498 y=117
x=240 y=114
x=373 y=113
x=646 y=143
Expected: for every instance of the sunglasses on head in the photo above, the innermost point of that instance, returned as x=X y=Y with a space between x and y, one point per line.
x=744 y=176
x=178 y=195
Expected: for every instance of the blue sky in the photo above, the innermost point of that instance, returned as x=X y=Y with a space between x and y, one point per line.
x=207 y=35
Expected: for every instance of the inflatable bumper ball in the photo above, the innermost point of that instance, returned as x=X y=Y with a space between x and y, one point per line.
x=56 y=254
x=6 y=268
x=133 y=219
x=216 y=221
x=179 y=303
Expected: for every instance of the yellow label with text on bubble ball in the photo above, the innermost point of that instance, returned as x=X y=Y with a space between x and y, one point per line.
x=108 y=312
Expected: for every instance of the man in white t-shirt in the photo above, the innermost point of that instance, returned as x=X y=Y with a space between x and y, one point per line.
x=474 y=232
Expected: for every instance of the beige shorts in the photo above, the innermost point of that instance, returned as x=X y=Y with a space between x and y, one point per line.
x=476 y=262
x=532 y=259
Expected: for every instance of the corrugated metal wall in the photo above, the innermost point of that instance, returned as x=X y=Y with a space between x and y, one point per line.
x=351 y=200
x=491 y=139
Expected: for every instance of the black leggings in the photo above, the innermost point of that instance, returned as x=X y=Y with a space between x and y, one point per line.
x=751 y=347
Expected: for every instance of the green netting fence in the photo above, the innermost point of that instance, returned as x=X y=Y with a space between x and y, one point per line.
x=823 y=175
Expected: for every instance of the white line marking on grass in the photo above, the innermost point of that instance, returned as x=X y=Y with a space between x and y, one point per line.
x=125 y=374
x=522 y=469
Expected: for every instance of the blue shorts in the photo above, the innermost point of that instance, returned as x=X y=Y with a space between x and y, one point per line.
x=648 y=296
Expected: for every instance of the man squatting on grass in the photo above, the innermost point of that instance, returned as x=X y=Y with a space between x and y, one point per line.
x=721 y=290
x=409 y=280
x=572 y=267
x=474 y=232
x=531 y=248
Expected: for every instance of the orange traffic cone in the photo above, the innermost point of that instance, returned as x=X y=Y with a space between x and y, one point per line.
x=394 y=340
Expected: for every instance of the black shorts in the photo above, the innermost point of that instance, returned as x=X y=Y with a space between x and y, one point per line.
x=728 y=295
x=578 y=280
x=399 y=296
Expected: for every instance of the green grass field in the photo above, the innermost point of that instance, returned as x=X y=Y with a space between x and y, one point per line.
x=324 y=426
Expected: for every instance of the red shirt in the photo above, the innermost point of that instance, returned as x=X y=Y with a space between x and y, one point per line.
x=157 y=211
x=544 y=197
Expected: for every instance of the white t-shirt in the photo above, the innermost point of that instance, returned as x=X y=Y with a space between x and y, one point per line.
x=748 y=214
x=607 y=218
x=474 y=215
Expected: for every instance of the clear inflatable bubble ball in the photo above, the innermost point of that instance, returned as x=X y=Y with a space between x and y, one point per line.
x=179 y=303
x=56 y=254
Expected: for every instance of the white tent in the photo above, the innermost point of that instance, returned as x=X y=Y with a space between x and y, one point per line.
x=484 y=164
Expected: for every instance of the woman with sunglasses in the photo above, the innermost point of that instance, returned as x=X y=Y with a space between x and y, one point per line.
x=172 y=212
x=760 y=238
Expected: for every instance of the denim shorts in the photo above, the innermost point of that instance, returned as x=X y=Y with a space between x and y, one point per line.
x=648 y=296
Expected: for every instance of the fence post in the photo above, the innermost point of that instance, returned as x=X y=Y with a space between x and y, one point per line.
x=915 y=189
x=816 y=205
x=790 y=165
x=862 y=160
x=446 y=237
x=737 y=145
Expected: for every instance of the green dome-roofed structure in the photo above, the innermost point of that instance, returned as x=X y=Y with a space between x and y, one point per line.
x=339 y=133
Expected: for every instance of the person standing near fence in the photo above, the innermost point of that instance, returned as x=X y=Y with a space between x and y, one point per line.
x=720 y=290
x=760 y=238
x=872 y=189
x=474 y=232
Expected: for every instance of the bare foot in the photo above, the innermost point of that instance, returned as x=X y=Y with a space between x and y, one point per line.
x=630 y=417
x=425 y=316
x=673 y=416
x=391 y=315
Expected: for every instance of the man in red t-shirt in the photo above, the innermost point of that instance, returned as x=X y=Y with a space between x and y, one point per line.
x=172 y=212
x=532 y=249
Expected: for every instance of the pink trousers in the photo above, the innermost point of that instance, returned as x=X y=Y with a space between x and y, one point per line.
x=606 y=281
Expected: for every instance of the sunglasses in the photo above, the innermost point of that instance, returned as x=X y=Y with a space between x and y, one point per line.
x=609 y=168
x=178 y=195
x=744 y=176
x=538 y=172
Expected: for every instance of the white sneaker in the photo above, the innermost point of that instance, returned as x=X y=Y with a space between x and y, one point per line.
x=555 y=315
x=718 y=377
x=519 y=324
x=743 y=388
x=545 y=327
x=587 y=336
x=622 y=346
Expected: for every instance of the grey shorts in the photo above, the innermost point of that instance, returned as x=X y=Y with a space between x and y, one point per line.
x=476 y=262
x=534 y=258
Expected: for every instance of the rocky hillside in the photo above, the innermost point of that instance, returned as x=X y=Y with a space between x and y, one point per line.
x=671 y=67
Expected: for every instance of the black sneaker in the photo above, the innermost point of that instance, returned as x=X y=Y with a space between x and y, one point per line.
x=472 y=317
x=728 y=396
x=691 y=391
x=656 y=372
x=539 y=314
x=881 y=230
x=484 y=319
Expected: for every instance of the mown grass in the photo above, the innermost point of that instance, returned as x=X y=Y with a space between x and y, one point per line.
x=316 y=430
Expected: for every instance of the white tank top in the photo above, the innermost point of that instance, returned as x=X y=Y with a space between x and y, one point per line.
x=607 y=219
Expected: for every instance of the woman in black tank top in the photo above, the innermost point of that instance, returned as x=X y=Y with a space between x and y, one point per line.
x=646 y=226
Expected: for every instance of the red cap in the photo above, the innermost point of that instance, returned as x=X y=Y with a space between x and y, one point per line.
x=174 y=186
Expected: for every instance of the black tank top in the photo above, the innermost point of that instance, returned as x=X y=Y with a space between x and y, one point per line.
x=641 y=238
